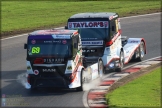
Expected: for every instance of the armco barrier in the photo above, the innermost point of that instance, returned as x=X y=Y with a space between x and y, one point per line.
x=96 y=97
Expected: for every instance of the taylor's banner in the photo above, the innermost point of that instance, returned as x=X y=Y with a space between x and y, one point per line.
x=90 y=24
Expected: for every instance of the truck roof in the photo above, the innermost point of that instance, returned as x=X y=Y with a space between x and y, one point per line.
x=93 y=15
x=53 y=32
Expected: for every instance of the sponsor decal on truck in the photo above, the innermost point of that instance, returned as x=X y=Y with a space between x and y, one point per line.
x=49 y=70
x=90 y=24
x=92 y=42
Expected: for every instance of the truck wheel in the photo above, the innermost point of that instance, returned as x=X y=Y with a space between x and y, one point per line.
x=101 y=70
x=33 y=88
x=81 y=81
x=141 y=52
x=121 y=62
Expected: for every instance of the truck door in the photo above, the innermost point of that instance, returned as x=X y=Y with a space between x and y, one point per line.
x=113 y=33
x=74 y=49
x=115 y=36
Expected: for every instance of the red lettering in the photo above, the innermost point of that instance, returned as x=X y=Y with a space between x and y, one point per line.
x=106 y=24
x=38 y=61
x=78 y=25
x=90 y=24
x=101 y=24
x=95 y=24
x=98 y=24
x=82 y=24
x=86 y=25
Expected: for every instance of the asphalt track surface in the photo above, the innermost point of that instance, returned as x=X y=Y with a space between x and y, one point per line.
x=13 y=64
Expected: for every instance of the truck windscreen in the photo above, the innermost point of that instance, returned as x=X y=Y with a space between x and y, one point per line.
x=55 y=47
x=93 y=33
x=90 y=29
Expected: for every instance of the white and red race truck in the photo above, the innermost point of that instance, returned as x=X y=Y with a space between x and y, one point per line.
x=102 y=43
x=54 y=59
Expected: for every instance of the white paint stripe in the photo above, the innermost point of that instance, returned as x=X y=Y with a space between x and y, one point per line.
x=141 y=62
x=140 y=15
x=15 y=36
x=63 y=27
x=24 y=34
x=141 y=66
x=151 y=62
x=102 y=87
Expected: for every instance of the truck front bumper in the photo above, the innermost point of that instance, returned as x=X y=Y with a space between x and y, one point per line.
x=55 y=82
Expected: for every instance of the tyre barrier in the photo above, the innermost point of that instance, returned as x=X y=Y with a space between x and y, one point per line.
x=96 y=96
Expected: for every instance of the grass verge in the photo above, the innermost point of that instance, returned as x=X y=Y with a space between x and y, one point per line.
x=24 y=16
x=144 y=91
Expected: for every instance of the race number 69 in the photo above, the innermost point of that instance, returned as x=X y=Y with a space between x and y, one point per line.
x=35 y=50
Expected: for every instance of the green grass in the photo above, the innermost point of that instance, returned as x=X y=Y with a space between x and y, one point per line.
x=145 y=91
x=30 y=15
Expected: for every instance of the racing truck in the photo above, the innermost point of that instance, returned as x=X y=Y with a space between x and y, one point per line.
x=54 y=59
x=102 y=43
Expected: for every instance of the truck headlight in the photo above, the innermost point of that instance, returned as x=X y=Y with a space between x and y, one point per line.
x=69 y=68
x=28 y=67
x=111 y=65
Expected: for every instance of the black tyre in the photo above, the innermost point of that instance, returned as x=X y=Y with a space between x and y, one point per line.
x=141 y=52
x=33 y=88
x=121 y=62
x=101 y=69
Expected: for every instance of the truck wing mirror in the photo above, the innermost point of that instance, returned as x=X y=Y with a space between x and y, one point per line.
x=66 y=27
x=25 y=46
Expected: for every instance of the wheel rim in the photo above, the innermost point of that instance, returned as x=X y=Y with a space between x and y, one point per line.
x=142 y=50
x=121 y=60
x=100 y=69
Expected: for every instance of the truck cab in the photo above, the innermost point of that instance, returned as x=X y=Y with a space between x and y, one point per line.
x=100 y=35
x=53 y=59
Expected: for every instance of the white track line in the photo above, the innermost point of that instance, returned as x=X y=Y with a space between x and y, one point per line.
x=24 y=34
x=15 y=36
x=84 y=99
x=141 y=15
x=63 y=27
